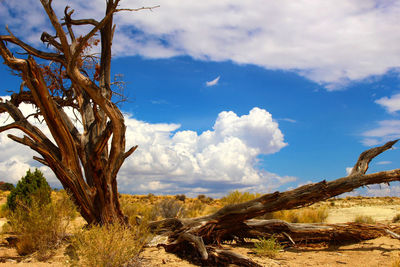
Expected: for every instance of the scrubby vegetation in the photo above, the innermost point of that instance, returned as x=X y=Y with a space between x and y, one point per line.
x=303 y=215
x=236 y=197
x=267 y=247
x=109 y=245
x=32 y=184
x=40 y=227
x=364 y=219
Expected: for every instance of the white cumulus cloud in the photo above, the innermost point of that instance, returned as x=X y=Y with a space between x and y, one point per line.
x=172 y=161
x=330 y=42
x=214 y=161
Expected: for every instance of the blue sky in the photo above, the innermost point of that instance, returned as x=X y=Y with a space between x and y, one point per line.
x=226 y=96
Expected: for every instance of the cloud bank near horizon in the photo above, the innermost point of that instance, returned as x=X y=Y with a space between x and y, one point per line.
x=171 y=161
x=329 y=42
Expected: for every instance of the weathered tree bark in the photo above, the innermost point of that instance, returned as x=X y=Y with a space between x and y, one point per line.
x=86 y=162
x=234 y=222
x=311 y=233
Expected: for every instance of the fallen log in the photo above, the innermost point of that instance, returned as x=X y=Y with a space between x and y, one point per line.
x=200 y=238
x=306 y=233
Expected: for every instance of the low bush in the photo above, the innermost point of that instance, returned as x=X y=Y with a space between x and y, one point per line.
x=267 y=247
x=236 y=197
x=41 y=227
x=33 y=183
x=364 y=219
x=181 y=197
x=170 y=208
x=109 y=245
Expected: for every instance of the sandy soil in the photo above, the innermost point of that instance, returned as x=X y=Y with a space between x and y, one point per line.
x=373 y=253
x=379 y=213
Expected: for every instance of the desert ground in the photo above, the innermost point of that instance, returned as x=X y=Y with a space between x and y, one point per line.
x=383 y=251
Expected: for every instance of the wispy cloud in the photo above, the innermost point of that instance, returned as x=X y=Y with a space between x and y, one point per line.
x=302 y=36
x=384 y=162
x=391 y=104
x=288 y=120
x=385 y=130
x=213 y=82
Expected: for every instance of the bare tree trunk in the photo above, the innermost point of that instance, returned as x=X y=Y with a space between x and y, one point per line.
x=87 y=162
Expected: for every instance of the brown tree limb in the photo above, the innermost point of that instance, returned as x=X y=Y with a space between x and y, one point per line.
x=365 y=158
x=57 y=27
x=236 y=221
x=31 y=50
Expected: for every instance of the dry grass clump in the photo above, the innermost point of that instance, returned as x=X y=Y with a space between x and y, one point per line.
x=236 y=197
x=267 y=247
x=40 y=228
x=170 y=208
x=396 y=261
x=205 y=199
x=4 y=211
x=304 y=215
x=195 y=209
x=364 y=219
x=109 y=245
x=137 y=212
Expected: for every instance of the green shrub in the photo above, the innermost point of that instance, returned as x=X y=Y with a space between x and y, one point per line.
x=364 y=219
x=41 y=227
x=109 y=245
x=236 y=197
x=33 y=183
x=267 y=247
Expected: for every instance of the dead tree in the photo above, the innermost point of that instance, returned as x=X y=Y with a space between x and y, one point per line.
x=86 y=162
x=202 y=237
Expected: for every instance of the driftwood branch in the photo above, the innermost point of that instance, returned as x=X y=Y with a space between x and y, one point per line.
x=365 y=158
x=236 y=222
